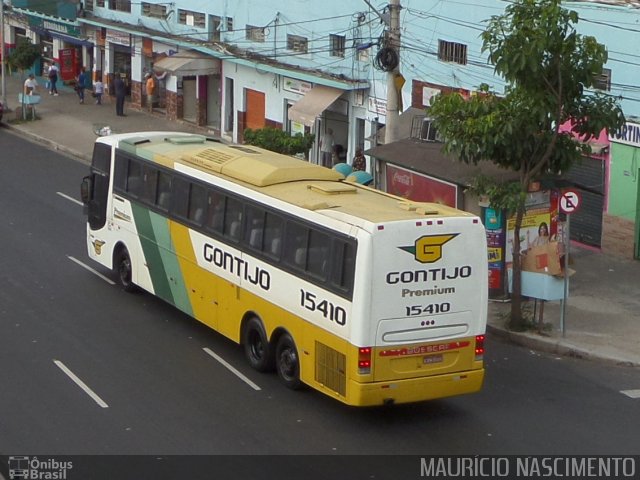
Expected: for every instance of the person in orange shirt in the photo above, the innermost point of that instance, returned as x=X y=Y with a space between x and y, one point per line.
x=151 y=88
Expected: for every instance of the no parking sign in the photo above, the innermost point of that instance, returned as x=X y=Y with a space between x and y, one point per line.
x=570 y=201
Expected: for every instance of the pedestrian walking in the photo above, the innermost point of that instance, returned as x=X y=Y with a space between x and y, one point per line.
x=150 y=85
x=53 y=79
x=120 y=91
x=81 y=81
x=98 y=91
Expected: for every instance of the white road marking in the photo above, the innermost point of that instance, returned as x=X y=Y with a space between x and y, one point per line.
x=78 y=202
x=631 y=393
x=232 y=369
x=81 y=384
x=109 y=281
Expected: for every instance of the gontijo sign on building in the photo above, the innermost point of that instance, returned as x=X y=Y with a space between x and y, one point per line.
x=629 y=134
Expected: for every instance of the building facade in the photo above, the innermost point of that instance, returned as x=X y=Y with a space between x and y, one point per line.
x=307 y=66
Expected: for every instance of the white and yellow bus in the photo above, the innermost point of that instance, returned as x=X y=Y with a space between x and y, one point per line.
x=364 y=296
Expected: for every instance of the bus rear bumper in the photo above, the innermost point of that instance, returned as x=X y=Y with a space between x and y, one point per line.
x=415 y=389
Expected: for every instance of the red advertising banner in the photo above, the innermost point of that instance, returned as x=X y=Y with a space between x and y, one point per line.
x=68 y=63
x=420 y=188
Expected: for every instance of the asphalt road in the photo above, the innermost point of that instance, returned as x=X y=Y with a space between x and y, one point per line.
x=152 y=389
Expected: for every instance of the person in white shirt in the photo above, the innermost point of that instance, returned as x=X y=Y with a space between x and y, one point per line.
x=326 y=147
x=30 y=85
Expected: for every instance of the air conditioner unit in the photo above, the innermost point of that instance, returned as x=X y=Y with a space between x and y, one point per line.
x=428 y=132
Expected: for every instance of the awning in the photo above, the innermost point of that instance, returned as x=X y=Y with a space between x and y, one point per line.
x=313 y=104
x=187 y=63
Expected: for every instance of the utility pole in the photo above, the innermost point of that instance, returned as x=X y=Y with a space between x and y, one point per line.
x=392 y=133
x=4 y=73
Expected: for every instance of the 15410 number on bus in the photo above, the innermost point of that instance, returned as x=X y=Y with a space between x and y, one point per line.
x=330 y=311
x=430 y=309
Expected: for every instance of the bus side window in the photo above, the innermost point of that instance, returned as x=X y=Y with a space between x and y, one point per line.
x=180 y=206
x=273 y=235
x=233 y=219
x=318 y=256
x=255 y=227
x=343 y=265
x=134 y=179
x=164 y=190
x=149 y=184
x=215 y=216
x=197 y=203
x=295 y=248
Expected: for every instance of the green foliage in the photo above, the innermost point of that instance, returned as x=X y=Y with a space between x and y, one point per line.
x=279 y=141
x=23 y=56
x=548 y=67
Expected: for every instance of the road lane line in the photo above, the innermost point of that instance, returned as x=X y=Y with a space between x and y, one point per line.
x=81 y=384
x=232 y=369
x=95 y=272
x=631 y=393
x=78 y=202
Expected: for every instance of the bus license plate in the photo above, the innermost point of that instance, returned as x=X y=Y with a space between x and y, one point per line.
x=432 y=359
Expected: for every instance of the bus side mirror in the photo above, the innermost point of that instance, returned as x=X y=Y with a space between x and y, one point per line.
x=86 y=189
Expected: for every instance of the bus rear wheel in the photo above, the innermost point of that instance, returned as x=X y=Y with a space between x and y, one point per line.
x=287 y=362
x=124 y=271
x=257 y=348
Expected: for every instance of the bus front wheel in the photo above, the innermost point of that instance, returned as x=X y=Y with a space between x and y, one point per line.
x=123 y=268
x=287 y=362
x=256 y=346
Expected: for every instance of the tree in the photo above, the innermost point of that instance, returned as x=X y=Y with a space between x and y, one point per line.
x=548 y=68
x=278 y=140
x=23 y=56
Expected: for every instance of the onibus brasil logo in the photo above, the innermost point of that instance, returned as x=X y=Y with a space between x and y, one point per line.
x=428 y=249
x=32 y=468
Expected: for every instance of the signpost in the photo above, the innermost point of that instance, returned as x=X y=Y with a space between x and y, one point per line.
x=569 y=203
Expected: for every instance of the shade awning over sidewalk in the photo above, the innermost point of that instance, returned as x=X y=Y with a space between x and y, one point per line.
x=189 y=62
x=313 y=104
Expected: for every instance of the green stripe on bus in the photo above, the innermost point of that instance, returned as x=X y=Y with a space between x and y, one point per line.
x=148 y=241
x=173 y=273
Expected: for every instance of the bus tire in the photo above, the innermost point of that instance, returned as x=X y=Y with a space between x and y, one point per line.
x=288 y=362
x=124 y=271
x=257 y=348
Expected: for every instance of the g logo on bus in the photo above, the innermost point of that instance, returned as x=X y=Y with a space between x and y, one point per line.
x=428 y=249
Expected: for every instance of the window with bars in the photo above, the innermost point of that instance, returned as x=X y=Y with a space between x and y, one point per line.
x=193 y=19
x=603 y=81
x=88 y=5
x=120 y=5
x=452 y=52
x=99 y=3
x=216 y=26
x=255 y=34
x=297 y=43
x=154 y=10
x=337 y=44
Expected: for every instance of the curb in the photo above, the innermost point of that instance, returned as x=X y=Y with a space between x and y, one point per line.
x=557 y=347
x=45 y=142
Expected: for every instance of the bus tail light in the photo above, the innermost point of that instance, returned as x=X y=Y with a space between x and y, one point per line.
x=479 y=347
x=364 y=360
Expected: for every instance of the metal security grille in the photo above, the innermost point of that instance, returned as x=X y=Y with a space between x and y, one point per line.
x=586 y=223
x=330 y=368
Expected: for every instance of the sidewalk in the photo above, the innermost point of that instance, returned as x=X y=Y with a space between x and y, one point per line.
x=67 y=125
x=603 y=311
